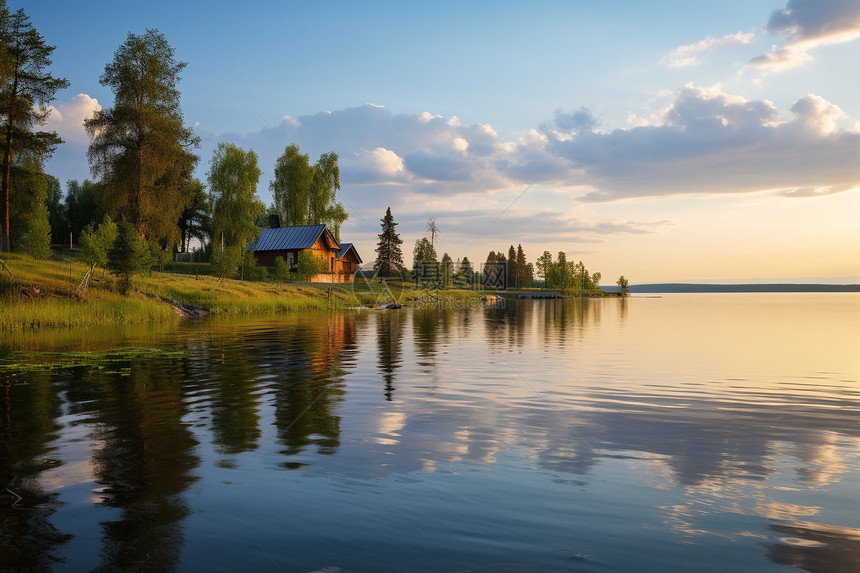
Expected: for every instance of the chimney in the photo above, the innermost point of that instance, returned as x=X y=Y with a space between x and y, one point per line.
x=274 y=221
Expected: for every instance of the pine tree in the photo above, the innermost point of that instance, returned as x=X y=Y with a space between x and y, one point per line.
x=524 y=272
x=389 y=256
x=140 y=147
x=26 y=88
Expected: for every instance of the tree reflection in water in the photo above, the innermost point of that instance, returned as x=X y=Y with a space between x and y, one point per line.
x=143 y=461
x=28 y=412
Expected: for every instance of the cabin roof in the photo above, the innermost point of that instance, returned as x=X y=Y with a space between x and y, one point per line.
x=288 y=238
x=344 y=247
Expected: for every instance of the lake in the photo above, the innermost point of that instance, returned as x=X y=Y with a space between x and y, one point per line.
x=692 y=432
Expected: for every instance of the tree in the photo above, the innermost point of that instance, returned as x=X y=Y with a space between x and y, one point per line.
x=281 y=269
x=140 y=147
x=389 y=257
x=595 y=280
x=31 y=228
x=425 y=266
x=310 y=265
x=559 y=273
x=97 y=243
x=128 y=256
x=226 y=260
x=465 y=271
x=81 y=208
x=446 y=270
x=292 y=184
x=324 y=186
x=56 y=214
x=305 y=194
x=233 y=176
x=194 y=222
x=512 y=269
x=433 y=229
x=524 y=270
x=623 y=285
x=544 y=263
x=26 y=88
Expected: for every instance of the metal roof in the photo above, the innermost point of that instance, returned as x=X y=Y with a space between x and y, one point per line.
x=288 y=238
x=344 y=247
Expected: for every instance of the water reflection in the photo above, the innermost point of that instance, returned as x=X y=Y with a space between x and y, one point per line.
x=142 y=462
x=389 y=334
x=27 y=427
x=816 y=548
x=517 y=414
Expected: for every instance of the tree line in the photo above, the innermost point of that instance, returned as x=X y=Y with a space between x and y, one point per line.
x=142 y=156
x=500 y=270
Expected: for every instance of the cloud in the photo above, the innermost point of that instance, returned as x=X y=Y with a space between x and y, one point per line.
x=378 y=165
x=67 y=118
x=809 y=24
x=711 y=142
x=702 y=140
x=685 y=56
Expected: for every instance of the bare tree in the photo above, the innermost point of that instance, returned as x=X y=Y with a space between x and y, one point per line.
x=433 y=229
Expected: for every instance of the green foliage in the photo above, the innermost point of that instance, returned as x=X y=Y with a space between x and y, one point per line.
x=465 y=273
x=96 y=244
x=26 y=89
x=140 y=147
x=36 y=240
x=250 y=271
x=446 y=271
x=544 y=263
x=305 y=194
x=425 y=266
x=129 y=255
x=623 y=285
x=81 y=208
x=389 y=257
x=233 y=176
x=292 y=184
x=225 y=262
x=30 y=226
x=523 y=271
x=195 y=222
x=281 y=269
x=310 y=265
x=158 y=255
x=56 y=215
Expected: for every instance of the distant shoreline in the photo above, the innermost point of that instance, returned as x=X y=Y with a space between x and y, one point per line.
x=735 y=288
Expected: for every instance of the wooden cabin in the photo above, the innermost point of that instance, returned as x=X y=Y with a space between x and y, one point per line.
x=288 y=242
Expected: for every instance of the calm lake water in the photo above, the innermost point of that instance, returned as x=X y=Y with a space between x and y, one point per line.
x=693 y=432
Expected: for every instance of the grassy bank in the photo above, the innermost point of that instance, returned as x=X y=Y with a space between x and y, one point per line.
x=41 y=294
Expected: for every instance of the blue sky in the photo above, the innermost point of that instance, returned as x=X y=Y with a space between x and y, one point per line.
x=663 y=141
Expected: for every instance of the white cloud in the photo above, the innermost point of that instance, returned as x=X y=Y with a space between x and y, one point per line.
x=378 y=165
x=809 y=24
x=704 y=141
x=67 y=118
x=710 y=142
x=687 y=55
x=818 y=115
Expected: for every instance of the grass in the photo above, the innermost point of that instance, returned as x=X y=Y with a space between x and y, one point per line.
x=41 y=294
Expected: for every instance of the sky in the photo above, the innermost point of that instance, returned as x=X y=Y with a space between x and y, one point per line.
x=665 y=141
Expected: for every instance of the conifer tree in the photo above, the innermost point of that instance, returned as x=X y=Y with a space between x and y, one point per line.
x=140 y=147
x=26 y=88
x=389 y=256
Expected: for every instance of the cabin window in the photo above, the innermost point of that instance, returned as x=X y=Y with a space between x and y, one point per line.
x=331 y=265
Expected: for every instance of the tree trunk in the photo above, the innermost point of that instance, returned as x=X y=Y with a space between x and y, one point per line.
x=5 y=203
